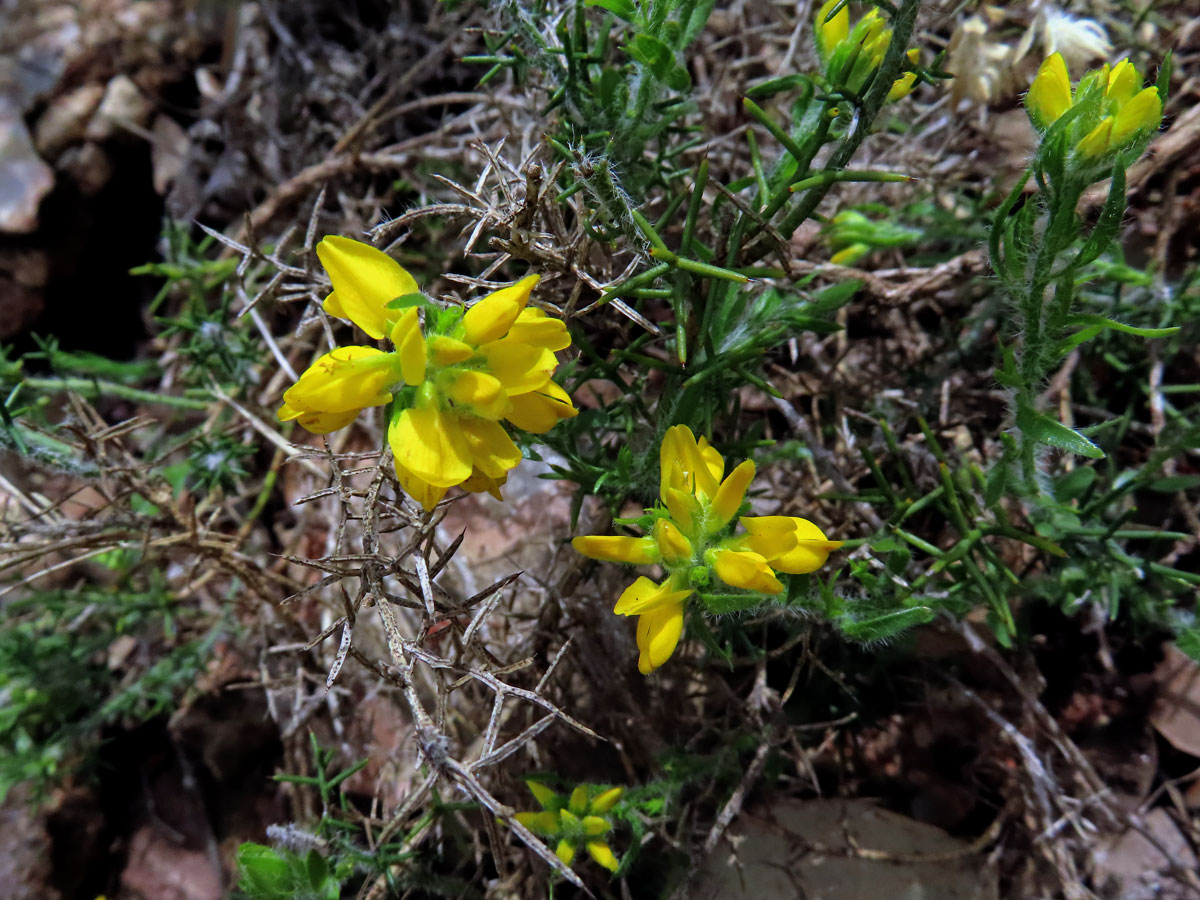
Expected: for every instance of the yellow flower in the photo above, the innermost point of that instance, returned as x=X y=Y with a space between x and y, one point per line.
x=832 y=31
x=1142 y=112
x=689 y=536
x=364 y=280
x=574 y=820
x=659 y=608
x=745 y=569
x=451 y=382
x=338 y=386
x=1050 y=94
x=1121 y=112
x=612 y=548
x=852 y=54
x=903 y=85
x=788 y=544
x=1097 y=141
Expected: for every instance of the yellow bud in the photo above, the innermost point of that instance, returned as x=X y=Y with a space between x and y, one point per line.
x=1050 y=94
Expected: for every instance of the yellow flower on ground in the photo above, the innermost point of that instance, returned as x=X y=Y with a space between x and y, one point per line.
x=451 y=381
x=690 y=536
x=1117 y=110
x=574 y=820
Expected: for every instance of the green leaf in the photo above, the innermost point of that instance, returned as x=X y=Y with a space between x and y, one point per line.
x=694 y=24
x=1188 y=641
x=1074 y=484
x=265 y=874
x=1173 y=484
x=317 y=869
x=881 y=627
x=1102 y=323
x=834 y=297
x=622 y=9
x=653 y=54
x=1045 y=430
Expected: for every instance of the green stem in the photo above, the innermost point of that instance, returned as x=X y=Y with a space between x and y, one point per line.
x=95 y=387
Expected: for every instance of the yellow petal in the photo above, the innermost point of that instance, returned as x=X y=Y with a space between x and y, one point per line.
x=616 y=548
x=712 y=460
x=683 y=507
x=544 y=795
x=769 y=536
x=520 y=367
x=730 y=496
x=536 y=328
x=410 y=345
x=568 y=819
x=602 y=854
x=492 y=317
x=431 y=446
x=833 y=32
x=565 y=851
x=446 y=351
x=333 y=306
x=578 y=803
x=901 y=87
x=671 y=458
x=478 y=393
x=1123 y=82
x=1097 y=141
x=421 y=491
x=479 y=483
x=1050 y=94
x=1143 y=111
x=674 y=547
x=792 y=545
x=745 y=569
x=658 y=632
x=346 y=378
x=644 y=595
x=542 y=823
x=365 y=280
x=848 y=256
x=318 y=422
x=699 y=465
x=602 y=803
x=594 y=825
x=540 y=410
x=491 y=450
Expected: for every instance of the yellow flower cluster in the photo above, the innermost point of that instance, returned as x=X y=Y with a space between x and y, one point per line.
x=451 y=383
x=692 y=540
x=1120 y=108
x=851 y=55
x=578 y=819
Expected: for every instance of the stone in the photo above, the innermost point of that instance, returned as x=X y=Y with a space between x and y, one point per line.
x=65 y=120
x=158 y=868
x=168 y=152
x=24 y=178
x=123 y=110
x=792 y=848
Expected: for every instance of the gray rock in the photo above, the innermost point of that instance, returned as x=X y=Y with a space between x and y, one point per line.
x=24 y=178
x=65 y=120
x=793 y=848
x=123 y=108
